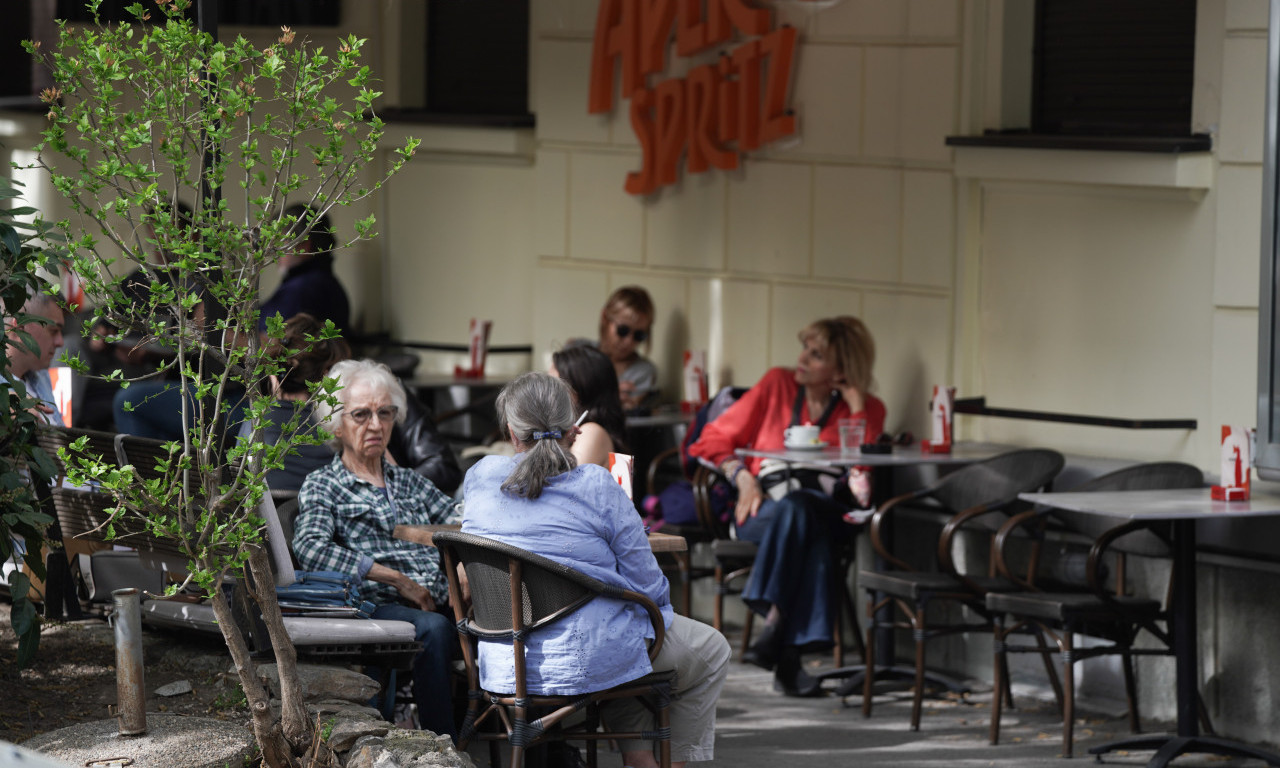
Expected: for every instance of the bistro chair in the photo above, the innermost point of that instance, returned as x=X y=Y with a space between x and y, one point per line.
x=979 y=496
x=516 y=593
x=1063 y=611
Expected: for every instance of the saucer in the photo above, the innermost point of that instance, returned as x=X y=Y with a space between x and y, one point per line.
x=807 y=446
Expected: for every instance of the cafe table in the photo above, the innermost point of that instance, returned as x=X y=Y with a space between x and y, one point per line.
x=421 y=534
x=963 y=452
x=1182 y=508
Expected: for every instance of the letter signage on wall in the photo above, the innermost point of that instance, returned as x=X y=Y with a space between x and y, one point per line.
x=715 y=112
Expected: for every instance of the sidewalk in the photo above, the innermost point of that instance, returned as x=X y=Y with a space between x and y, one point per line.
x=758 y=728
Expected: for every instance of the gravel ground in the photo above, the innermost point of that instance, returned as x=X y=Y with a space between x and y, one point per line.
x=73 y=677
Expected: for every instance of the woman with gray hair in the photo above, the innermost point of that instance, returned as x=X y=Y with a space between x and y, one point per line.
x=349 y=509
x=542 y=501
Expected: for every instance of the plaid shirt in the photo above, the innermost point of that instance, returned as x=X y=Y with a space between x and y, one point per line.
x=345 y=525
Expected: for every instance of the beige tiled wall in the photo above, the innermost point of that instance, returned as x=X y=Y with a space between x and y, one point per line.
x=739 y=261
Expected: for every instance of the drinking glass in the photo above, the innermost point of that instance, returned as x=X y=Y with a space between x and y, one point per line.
x=853 y=432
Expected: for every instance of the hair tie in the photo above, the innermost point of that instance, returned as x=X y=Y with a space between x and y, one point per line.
x=550 y=434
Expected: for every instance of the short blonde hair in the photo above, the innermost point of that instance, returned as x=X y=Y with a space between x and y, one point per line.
x=851 y=346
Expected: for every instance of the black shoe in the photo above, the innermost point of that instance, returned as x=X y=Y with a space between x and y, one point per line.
x=790 y=677
x=764 y=651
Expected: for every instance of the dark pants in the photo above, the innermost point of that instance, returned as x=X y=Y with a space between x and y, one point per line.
x=431 y=690
x=797 y=567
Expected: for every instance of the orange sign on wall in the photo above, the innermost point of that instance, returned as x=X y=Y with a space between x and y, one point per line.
x=716 y=111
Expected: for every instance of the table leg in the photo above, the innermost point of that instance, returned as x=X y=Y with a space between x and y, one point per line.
x=1186 y=658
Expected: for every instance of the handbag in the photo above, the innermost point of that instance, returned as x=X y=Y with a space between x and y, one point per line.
x=324 y=592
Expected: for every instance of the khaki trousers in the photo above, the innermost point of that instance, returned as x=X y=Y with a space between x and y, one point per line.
x=700 y=657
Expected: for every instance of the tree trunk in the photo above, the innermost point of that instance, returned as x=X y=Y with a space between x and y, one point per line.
x=276 y=750
x=293 y=713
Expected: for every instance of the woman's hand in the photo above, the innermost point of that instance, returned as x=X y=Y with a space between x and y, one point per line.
x=750 y=496
x=852 y=396
x=627 y=394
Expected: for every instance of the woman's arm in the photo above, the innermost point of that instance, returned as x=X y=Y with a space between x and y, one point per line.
x=592 y=446
x=314 y=534
x=630 y=546
x=738 y=426
x=417 y=445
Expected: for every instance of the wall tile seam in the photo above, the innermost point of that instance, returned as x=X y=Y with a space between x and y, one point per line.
x=1239 y=164
x=898 y=43
x=791 y=158
x=879 y=288
x=1246 y=34
x=566 y=35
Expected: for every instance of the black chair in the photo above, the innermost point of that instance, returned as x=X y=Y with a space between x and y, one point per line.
x=515 y=593
x=980 y=496
x=1087 y=608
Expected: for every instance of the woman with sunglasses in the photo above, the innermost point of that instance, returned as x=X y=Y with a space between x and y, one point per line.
x=348 y=511
x=626 y=322
x=795 y=516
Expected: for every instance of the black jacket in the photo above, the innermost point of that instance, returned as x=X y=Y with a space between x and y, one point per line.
x=417 y=445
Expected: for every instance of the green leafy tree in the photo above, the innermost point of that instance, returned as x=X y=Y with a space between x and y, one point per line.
x=23 y=466
x=147 y=113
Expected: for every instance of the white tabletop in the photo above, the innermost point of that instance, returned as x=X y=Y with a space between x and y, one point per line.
x=1181 y=504
x=831 y=456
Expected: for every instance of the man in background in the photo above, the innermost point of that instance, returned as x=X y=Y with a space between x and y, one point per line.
x=32 y=367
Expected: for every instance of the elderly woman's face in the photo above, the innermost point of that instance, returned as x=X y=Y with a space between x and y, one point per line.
x=367 y=420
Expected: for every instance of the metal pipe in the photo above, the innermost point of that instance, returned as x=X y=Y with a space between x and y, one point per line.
x=130 y=685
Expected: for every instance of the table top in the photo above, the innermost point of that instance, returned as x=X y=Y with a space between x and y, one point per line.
x=1177 y=504
x=831 y=456
x=658 y=542
x=665 y=418
x=438 y=380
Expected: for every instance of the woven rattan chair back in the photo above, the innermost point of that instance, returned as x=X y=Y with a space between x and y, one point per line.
x=1152 y=541
x=515 y=593
x=998 y=480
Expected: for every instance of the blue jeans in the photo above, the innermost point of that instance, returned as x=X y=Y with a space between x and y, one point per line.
x=431 y=690
x=797 y=567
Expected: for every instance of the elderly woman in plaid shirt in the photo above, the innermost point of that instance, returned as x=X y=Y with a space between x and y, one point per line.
x=349 y=510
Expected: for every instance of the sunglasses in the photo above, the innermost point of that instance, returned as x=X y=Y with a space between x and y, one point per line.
x=624 y=331
x=386 y=414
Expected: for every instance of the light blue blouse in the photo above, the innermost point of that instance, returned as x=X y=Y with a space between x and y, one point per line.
x=582 y=519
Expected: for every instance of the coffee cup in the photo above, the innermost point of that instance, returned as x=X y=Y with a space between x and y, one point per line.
x=801 y=435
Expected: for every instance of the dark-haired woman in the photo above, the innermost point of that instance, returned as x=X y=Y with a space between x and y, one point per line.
x=307 y=282
x=595 y=387
x=541 y=500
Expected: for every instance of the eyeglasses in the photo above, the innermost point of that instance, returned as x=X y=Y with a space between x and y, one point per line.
x=624 y=331
x=386 y=414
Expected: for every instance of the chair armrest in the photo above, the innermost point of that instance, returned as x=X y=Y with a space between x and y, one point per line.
x=1033 y=523
x=704 y=477
x=656 y=463
x=1094 y=566
x=650 y=607
x=946 y=539
x=880 y=518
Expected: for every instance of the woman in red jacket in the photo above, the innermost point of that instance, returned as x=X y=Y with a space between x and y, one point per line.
x=798 y=529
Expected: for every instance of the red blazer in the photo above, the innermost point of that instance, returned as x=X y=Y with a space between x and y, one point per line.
x=759 y=417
